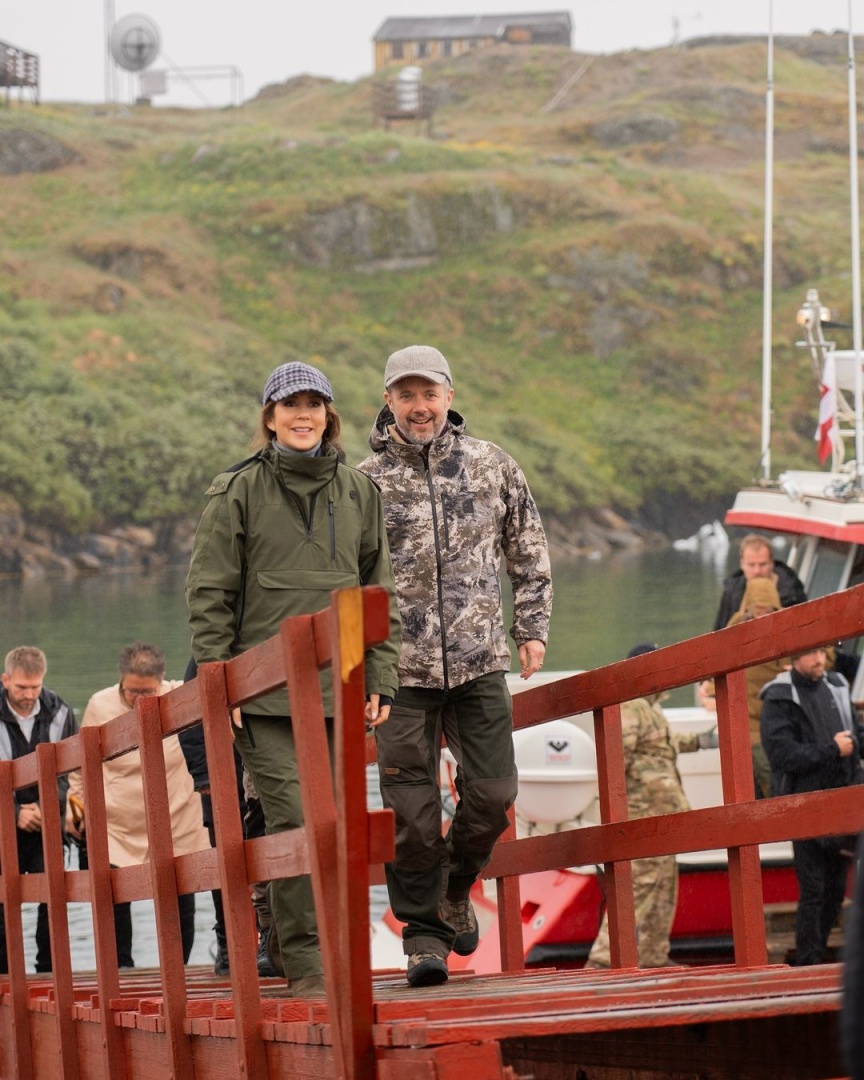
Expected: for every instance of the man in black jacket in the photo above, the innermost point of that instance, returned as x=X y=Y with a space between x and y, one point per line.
x=30 y=714
x=756 y=560
x=813 y=741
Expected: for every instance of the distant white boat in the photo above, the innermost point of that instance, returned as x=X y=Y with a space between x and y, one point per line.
x=711 y=536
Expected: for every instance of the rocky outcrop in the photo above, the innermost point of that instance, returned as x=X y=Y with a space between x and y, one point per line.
x=31 y=551
x=23 y=151
x=597 y=533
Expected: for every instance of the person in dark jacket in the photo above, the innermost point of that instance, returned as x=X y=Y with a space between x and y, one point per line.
x=756 y=560
x=277 y=536
x=30 y=714
x=851 y=1028
x=194 y=750
x=813 y=741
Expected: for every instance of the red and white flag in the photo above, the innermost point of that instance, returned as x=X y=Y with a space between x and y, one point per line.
x=827 y=409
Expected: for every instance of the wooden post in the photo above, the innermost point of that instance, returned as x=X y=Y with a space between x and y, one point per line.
x=164 y=886
x=353 y=991
x=251 y=1058
x=613 y=807
x=736 y=767
x=319 y=806
x=509 y=898
x=101 y=900
x=58 y=918
x=10 y=895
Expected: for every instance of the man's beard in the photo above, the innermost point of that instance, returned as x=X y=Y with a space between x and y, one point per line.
x=423 y=440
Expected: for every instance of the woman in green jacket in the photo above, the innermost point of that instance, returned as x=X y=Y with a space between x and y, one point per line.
x=279 y=532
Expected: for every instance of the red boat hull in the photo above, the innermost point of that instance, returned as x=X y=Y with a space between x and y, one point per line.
x=562 y=910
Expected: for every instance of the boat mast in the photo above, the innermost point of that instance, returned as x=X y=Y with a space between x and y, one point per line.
x=765 y=456
x=856 y=263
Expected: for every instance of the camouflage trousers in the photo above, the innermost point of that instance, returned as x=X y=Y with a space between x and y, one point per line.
x=655 y=894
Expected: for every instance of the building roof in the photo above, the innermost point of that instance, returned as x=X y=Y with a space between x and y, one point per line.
x=441 y=27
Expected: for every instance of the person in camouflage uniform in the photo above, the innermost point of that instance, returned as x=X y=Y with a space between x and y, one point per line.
x=653 y=787
x=452 y=506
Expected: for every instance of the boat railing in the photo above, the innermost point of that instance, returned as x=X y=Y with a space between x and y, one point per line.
x=344 y=844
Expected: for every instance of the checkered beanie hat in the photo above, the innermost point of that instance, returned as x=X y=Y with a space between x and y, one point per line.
x=293 y=379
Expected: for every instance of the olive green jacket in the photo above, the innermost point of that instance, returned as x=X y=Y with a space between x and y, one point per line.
x=277 y=535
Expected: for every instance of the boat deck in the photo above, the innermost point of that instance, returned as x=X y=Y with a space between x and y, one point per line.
x=733 y=1022
x=775 y=1021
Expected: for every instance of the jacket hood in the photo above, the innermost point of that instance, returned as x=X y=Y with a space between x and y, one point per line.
x=379 y=436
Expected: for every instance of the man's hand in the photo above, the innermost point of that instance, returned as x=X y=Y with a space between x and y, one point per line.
x=531 y=655
x=845 y=743
x=376 y=713
x=30 y=818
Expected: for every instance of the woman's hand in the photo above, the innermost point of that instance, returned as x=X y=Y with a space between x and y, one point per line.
x=375 y=712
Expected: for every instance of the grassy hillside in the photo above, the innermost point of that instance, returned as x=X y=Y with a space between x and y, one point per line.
x=593 y=270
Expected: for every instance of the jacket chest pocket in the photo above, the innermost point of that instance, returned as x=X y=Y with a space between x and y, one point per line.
x=465 y=513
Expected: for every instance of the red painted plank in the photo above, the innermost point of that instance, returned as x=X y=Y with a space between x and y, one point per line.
x=618 y=876
x=745 y=871
x=733 y=648
x=10 y=896
x=510 y=913
x=58 y=921
x=351 y=995
x=233 y=871
x=163 y=883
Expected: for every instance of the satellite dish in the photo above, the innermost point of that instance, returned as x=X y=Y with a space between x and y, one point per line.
x=135 y=42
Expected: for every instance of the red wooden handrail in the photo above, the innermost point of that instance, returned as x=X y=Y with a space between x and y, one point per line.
x=340 y=840
x=721 y=655
x=343 y=844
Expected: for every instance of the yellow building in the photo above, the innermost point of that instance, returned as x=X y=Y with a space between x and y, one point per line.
x=402 y=41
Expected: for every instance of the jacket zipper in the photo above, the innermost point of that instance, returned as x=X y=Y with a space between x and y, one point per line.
x=431 y=486
x=332 y=529
x=307 y=522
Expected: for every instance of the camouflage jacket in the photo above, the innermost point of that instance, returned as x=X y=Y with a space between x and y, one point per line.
x=650 y=752
x=451 y=510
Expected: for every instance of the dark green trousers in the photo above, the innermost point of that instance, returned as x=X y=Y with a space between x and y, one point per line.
x=477 y=722
x=272 y=764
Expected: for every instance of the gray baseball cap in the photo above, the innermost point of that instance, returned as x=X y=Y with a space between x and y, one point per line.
x=422 y=360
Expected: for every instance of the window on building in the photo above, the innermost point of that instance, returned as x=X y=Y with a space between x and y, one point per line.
x=446 y=48
x=422 y=49
x=396 y=50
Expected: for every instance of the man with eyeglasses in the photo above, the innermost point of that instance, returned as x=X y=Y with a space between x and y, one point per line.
x=142 y=674
x=30 y=714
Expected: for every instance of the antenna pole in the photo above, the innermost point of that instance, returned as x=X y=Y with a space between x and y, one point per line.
x=767 y=283
x=109 y=63
x=856 y=263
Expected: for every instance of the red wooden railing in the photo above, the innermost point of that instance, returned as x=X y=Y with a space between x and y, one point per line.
x=337 y=846
x=344 y=845
x=740 y=825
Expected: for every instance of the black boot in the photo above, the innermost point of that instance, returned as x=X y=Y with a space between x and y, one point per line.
x=221 y=966
x=266 y=968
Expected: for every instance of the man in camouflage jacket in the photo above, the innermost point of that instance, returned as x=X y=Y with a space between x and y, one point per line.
x=452 y=505
x=653 y=787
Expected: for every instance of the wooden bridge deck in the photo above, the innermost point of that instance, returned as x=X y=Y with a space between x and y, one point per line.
x=743 y=1020
x=775 y=1022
